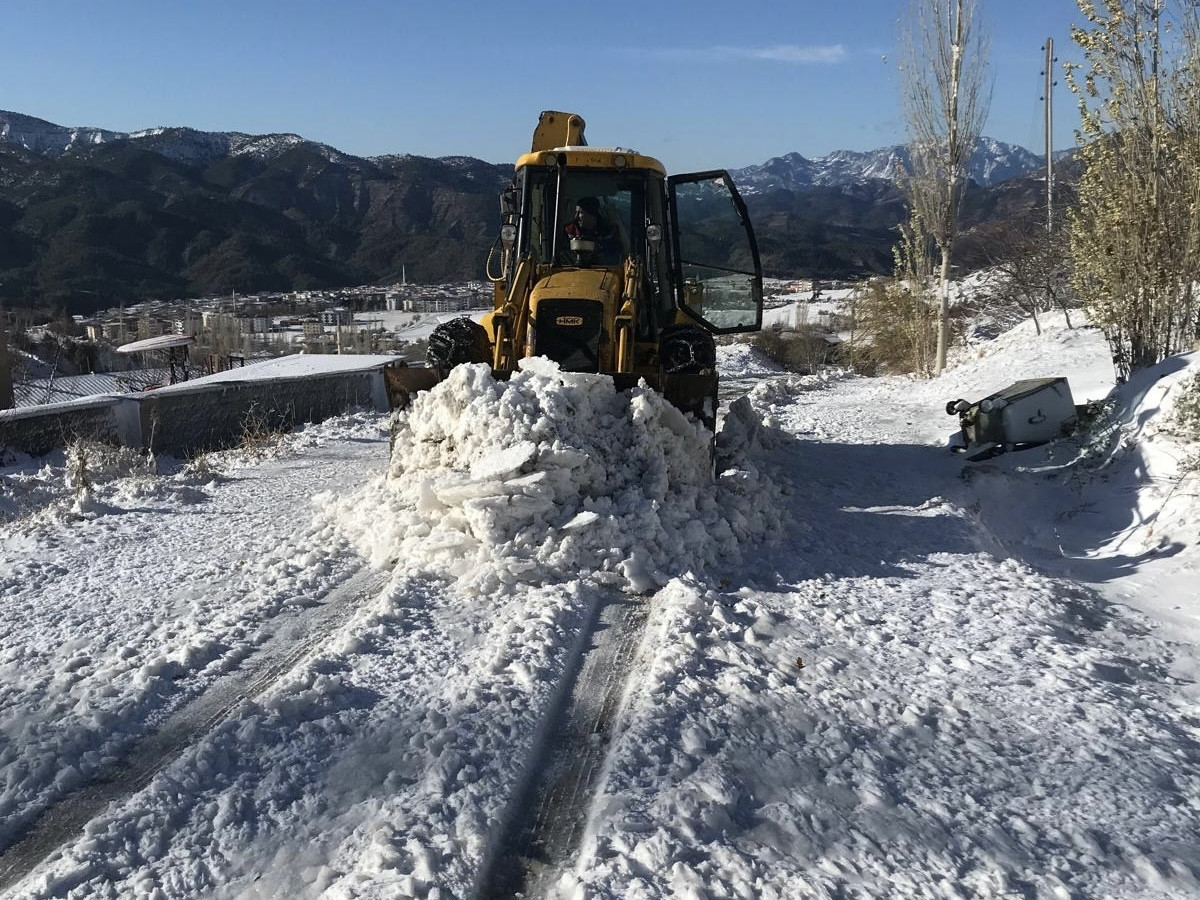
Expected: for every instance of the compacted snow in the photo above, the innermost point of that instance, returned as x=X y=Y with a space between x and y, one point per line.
x=868 y=669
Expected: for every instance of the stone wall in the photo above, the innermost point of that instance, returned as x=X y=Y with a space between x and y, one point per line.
x=183 y=422
x=188 y=418
x=39 y=429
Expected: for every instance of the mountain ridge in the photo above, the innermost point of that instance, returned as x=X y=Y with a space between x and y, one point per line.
x=92 y=217
x=992 y=162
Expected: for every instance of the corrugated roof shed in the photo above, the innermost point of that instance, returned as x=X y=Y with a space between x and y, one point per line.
x=37 y=391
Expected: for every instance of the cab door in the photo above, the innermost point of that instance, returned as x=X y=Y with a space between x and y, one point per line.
x=715 y=267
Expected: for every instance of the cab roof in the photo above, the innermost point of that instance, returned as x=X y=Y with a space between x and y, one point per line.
x=591 y=158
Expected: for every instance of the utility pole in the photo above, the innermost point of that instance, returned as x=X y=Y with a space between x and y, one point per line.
x=1049 y=98
x=6 y=385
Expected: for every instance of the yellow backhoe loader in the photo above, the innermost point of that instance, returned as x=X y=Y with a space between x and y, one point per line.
x=604 y=264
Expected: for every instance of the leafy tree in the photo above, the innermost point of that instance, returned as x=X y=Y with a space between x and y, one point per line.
x=1135 y=231
x=946 y=98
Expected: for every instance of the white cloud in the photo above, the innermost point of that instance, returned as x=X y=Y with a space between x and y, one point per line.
x=785 y=53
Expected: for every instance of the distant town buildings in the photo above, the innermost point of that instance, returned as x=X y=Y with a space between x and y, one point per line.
x=258 y=319
x=229 y=330
x=338 y=315
x=238 y=329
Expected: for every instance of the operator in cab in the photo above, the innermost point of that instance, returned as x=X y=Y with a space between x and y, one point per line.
x=593 y=238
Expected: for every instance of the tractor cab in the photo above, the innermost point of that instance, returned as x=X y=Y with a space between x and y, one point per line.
x=604 y=264
x=679 y=250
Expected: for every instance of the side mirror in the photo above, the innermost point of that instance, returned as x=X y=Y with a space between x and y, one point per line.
x=508 y=202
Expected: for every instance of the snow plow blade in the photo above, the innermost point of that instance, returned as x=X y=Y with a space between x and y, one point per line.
x=695 y=394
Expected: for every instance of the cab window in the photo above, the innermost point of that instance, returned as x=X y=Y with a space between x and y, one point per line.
x=716 y=262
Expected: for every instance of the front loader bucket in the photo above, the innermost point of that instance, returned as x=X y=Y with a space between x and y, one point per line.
x=402 y=383
x=696 y=394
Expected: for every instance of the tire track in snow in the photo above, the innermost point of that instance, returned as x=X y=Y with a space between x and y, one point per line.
x=548 y=822
x=295 y=639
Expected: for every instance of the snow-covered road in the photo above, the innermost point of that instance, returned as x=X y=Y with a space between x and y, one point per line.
x=882 y=707
x=861 y=674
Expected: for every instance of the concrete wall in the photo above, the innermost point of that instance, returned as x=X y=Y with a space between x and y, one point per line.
x=189 y=418
x=39 y=429
x=183 y=422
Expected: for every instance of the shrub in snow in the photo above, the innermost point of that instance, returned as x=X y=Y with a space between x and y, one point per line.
x=895 y=329
x=89 y=463
x=261 y=433
x=804 y=349
x=1184 y=421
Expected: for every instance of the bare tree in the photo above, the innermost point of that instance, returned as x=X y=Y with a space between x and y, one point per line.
x=1031 y=265
x=946 y=97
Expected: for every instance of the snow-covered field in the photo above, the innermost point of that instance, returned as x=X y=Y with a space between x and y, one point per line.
x=868 y=670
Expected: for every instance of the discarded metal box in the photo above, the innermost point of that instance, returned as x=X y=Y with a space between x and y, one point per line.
x=1024 y=414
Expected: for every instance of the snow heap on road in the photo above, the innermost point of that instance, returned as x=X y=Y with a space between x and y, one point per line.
x=550 y=476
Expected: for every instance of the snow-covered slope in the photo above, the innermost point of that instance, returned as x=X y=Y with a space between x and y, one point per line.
x=190 y=145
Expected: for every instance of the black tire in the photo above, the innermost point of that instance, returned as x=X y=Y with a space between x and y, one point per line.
x=460 y=340
x=686 y=350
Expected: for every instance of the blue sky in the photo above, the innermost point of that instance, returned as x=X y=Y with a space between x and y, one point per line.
x=698 y=84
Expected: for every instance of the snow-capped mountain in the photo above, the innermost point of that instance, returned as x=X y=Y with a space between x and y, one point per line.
x=992 y=163
x=179 y=143
x=46 y=138
x=190 y=145
x=995 y=161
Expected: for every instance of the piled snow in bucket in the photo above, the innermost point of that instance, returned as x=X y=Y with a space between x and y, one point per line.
x=550 y=476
